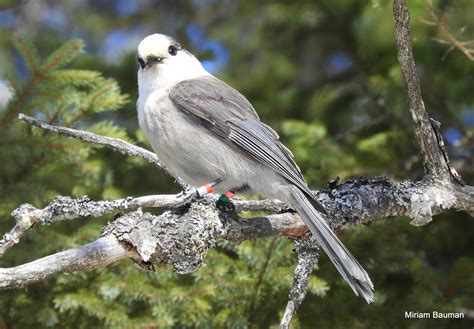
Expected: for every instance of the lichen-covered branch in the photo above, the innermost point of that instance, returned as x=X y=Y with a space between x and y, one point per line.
x=65 y=208
x=173 y=238
x=149 y=239
x=465 y=199
x=351 y=203
x=308 y=255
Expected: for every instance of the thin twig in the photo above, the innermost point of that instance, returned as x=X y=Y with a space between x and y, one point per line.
x=440 y=23
x=116 y=144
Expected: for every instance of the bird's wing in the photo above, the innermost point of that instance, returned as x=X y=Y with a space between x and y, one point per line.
x=228 y=114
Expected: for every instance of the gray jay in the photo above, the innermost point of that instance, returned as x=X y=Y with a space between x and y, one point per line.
x=203 y=130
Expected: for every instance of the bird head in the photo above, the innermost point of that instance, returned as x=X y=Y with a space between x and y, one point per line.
x=163 y=61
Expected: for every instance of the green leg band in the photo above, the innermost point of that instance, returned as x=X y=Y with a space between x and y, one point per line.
x=223 y=198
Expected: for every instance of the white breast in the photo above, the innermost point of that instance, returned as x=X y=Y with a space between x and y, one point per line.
x=187 y=149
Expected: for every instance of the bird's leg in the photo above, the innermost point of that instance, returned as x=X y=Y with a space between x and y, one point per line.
x=187 y=197
x=224 y=202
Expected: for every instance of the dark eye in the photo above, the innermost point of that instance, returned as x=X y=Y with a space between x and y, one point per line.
x=173 y=50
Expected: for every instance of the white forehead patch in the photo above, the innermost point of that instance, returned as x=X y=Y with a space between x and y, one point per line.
x=155 y=44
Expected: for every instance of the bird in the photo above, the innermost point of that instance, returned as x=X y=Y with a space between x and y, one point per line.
x=203 y=131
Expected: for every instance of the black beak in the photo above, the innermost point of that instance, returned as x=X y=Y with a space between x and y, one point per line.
x=140 y=61
x=152 y=60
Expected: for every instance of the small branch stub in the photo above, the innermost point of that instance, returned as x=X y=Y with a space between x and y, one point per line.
x=308 y=255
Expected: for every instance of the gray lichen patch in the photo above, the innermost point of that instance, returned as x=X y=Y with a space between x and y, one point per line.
x=364 y=199
x=181 y=240
x=24 y=216
x=308 y=255
x=63 y=208
x=423 y=204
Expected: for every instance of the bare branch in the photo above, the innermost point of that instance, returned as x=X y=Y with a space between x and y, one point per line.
x=114 y=143
x=351 y=203
x=100 y=253
x=273 y=206
x=433 y=158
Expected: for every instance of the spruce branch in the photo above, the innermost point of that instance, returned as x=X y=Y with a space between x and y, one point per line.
x=60 y=57
x=12 y=83
x=75 y=77
x=18 y=102
x=27 y=50
x=252 y=312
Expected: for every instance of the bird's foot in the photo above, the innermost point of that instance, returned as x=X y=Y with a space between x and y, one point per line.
x=224 y=203
x=185 y=198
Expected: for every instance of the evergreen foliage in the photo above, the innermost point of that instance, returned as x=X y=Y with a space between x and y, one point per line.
x=32 y=158
x=322 y=73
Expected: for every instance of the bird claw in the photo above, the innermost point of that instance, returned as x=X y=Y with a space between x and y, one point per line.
x=225 y=206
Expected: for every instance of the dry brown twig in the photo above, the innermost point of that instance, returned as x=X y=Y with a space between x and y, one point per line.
x=440 y=23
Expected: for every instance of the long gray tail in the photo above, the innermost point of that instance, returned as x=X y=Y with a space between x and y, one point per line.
x=345 y=263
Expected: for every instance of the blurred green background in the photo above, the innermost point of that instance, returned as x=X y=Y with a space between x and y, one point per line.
x=323 y=73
